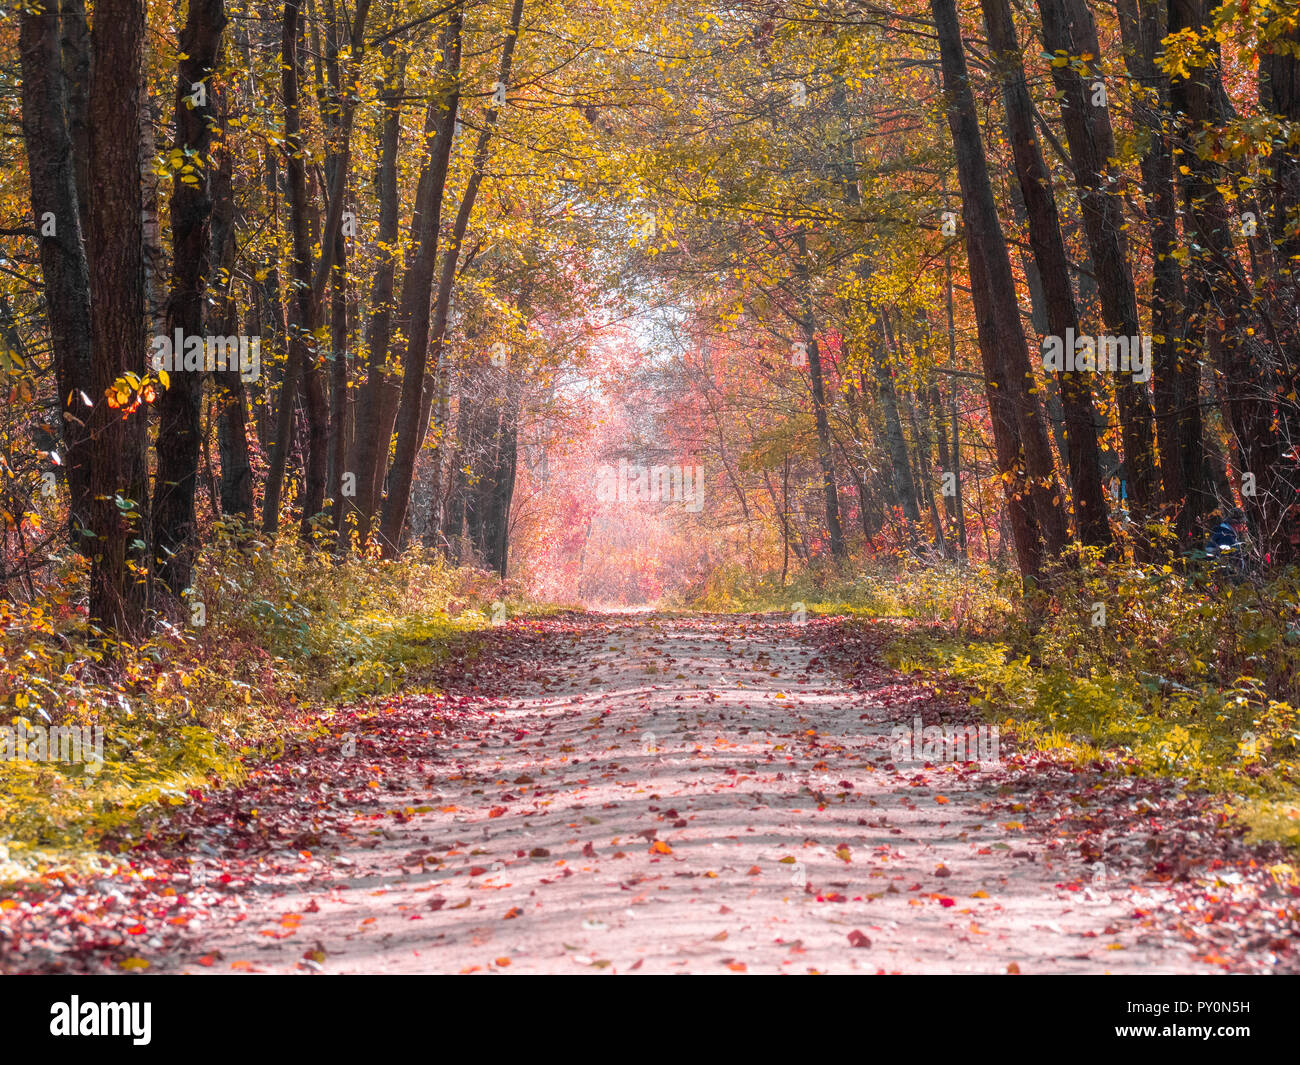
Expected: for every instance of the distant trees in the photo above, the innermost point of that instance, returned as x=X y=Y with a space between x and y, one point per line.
x=877 y=255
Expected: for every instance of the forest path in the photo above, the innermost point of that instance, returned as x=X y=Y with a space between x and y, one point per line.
x=670 y=794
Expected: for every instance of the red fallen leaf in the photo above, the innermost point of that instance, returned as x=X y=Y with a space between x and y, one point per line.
x=496 y=811
x=312 y=907
x=437 y=902
x=136 y=930
x=943 y=870
x=589 y=851
x=858 y=939
x=207 y=959
x=754 y=871
x=477 y=870
x=512 y=913
x=636 y=964
x=945 y=901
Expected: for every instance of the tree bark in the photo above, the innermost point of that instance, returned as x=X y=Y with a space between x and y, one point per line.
x=232 y=413
x=175 y=535
x=375 y=411
x=1083 y=452
x=1023 y=449
x=57 y=212
x=817 y=383
x=417 y=291
x=1068 y=28
x=1219 y=307
x=1176 y=380
x=304 y=360
x=117 y=594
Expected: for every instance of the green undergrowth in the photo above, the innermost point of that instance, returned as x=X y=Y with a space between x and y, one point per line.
x=272 y=635
x=1178 y=672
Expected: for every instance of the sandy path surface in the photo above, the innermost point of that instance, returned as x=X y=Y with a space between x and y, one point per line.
x=684 y=795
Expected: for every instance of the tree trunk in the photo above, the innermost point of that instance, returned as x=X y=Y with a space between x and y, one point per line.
x=57 y=212
x=75 y=48
x=417 y=291
x=117 y=595
x=817 y=381
x=1068 y=27
x=1279 y=94
x=369 y=455
x=1176 y=380
x=175 y=535
x=232 y=417
x=1218 y=303
x=1083 y=453
x=895 y=442
x=451 y=257
x=1033 y=496
x=304 y=360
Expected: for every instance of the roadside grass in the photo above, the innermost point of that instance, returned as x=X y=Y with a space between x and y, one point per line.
x=275 y=634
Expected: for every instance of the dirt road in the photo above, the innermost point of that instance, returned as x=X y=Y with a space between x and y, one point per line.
x=646 y=794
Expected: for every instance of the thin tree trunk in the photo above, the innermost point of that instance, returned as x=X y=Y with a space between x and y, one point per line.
x=369 y=454
x=817 y=380
x=895 y=442
x=1218 y=302
x=417 y=292
x=1083 y=452
x=1176 y=374
x=232 y=418
x=1033 y=495
x=304 y=360
x=451 y=256
x=1068 y=26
